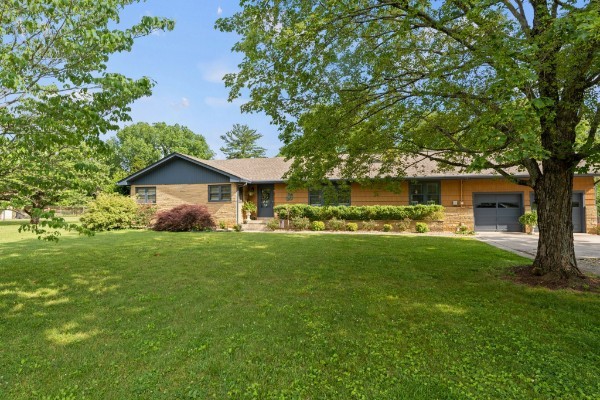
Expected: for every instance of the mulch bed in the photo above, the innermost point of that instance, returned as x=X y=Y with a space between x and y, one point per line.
x=522 y=274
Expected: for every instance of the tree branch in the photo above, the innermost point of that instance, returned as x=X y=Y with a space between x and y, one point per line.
x=519 y=16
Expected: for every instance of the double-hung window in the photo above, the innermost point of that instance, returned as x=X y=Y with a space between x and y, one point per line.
x=424 y=192
x=219 y=193
x=336 y=195
x=145 y=195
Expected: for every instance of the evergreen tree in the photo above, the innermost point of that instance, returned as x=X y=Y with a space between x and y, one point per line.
x=240 y=142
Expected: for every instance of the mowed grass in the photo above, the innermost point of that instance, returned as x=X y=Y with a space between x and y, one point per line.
x=146 y=315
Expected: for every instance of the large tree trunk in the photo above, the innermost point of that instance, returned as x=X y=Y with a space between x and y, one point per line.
x=556 y=253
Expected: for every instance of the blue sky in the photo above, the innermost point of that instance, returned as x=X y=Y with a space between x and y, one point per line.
x=187 y=65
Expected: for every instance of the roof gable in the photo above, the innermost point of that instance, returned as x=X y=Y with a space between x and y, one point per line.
x=179 y=169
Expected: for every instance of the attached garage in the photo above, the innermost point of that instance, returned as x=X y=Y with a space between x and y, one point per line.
x=498 y=211
x=578 y=207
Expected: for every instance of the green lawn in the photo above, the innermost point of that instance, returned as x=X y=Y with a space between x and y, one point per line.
x=150 y=315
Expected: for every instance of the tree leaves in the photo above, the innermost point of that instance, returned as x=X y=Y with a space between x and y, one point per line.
x=54 y=83
x=240 y=142
x=139 y=145
x=57 y=97
x=474 y=84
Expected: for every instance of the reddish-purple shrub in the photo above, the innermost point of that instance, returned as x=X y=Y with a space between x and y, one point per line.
x=184 y=218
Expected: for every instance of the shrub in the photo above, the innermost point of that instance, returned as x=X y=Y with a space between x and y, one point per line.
x=369 y=225
x=144 y=215
x=435 y=216
x=387 y=227
x=300 y=223
x=273 y=224
x=529 y=219
x=595 y=230
x=184 y=218
x=352 y=226
x=361 y=213
x=421 y=227
x=237 y=227
x=249 y=207
x=463 y=230
x=222 y=225
x=317 y=226
x=114 y=211
x=335 y=224
x=403 y=225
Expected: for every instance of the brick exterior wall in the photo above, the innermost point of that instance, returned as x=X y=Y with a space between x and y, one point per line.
x=461 y=191
x=451 y=190
x=169 y=196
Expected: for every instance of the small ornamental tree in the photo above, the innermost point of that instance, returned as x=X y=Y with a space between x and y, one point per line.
x=184 y=218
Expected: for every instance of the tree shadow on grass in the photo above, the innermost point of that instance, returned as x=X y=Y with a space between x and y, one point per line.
x=341 y=304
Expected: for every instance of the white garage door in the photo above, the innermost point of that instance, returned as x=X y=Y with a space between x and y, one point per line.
x=498 y=212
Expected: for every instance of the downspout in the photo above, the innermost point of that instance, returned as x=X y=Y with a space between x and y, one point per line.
x=237 y=203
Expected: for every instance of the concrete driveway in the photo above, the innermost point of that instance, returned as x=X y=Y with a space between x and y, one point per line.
x=587 y=247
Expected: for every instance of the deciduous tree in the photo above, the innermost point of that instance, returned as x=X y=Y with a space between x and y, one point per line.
x=55 y=88
x=502 y=85
x=54 y=174
x=139 y=145
x=56 y=91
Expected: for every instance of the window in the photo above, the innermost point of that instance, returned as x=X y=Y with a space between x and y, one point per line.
x=145 y=195
x=219 y=192
x=335 y=195
x=425 y=192
x=315 y=197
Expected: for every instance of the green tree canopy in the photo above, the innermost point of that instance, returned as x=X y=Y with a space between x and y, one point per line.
x=56 y=93
x=240 y=142
x=55 y=88
x=55 y=174
x=472 y=85
x=139 y=145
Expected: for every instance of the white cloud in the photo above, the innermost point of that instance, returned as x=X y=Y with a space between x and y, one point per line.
x=219 y=11
x=222 y=102
x=214 y=71
x=183 y=103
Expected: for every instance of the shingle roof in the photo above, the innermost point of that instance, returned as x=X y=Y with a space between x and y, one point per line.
x=274 y=169
x=252 y=169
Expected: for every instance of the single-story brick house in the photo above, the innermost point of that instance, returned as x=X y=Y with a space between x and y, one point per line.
x=483 y=201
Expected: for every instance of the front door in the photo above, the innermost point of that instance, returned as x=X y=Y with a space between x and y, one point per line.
x=265 y=201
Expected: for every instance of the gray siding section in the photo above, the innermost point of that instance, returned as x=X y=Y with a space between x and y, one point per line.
x=177 y=172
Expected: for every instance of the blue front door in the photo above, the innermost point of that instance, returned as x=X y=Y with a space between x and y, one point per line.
x=265 y=201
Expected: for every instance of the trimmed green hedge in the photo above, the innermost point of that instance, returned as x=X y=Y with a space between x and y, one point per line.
x=359 y=213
